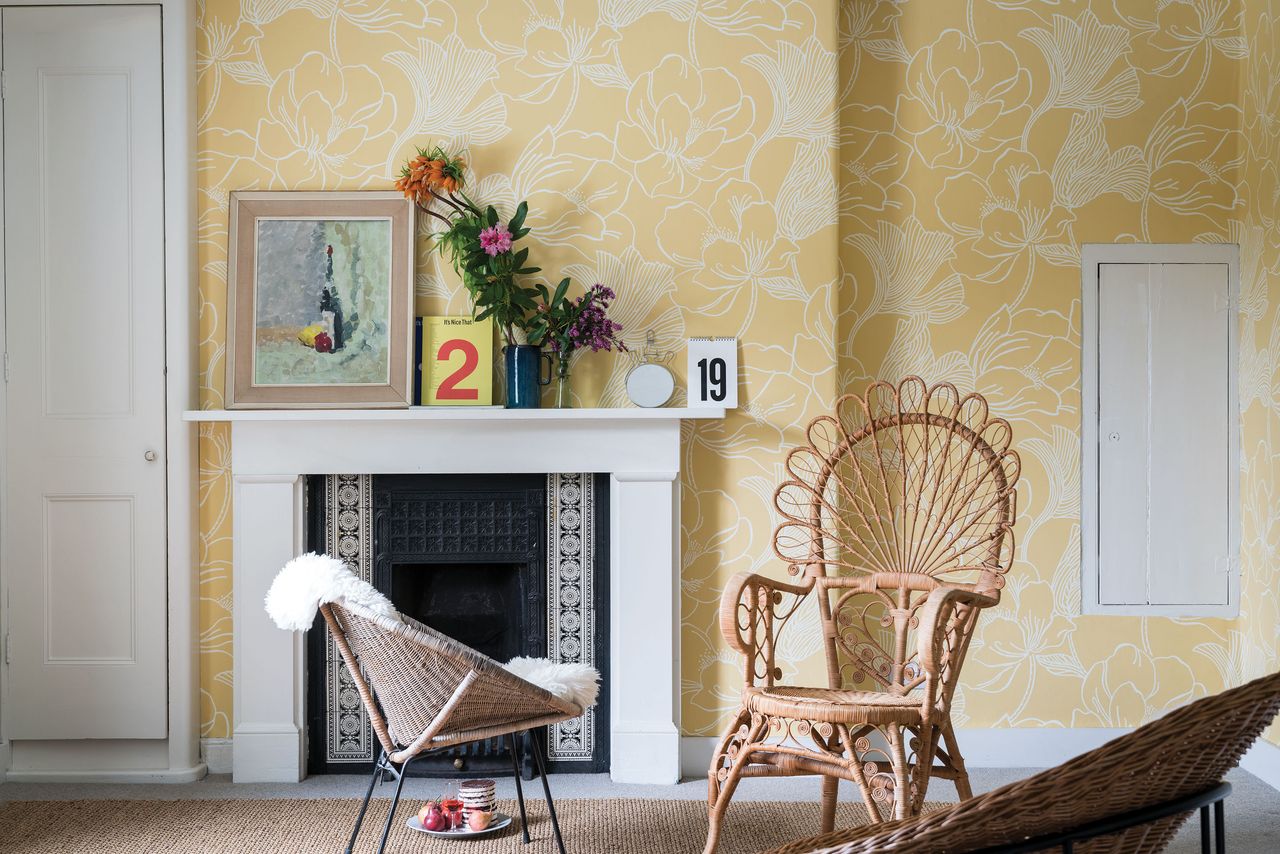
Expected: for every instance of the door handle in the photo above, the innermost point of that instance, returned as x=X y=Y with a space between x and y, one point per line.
x=149 y=456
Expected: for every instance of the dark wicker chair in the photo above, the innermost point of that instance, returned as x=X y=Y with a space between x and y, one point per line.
x=425 y=691
x=1137 y=789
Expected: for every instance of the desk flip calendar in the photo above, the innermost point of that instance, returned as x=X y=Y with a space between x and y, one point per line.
x=713 y=372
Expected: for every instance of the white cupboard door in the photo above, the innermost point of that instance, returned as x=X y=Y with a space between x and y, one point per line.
x=1164 y=434
x=84 y=555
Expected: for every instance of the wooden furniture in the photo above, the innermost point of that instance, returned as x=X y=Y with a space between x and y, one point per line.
x=897 y=518
x=1171 y=766
x=425 y=691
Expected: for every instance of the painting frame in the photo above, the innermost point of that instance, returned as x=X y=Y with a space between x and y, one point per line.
x=250 y=213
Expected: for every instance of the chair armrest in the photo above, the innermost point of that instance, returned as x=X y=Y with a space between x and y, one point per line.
x=931 y=635
x=750 y=623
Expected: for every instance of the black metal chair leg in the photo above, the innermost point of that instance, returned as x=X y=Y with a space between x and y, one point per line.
x=515 y=767
x=395 y=802
x=546 y=789
x=1220 y=826
x=364 y=807
x=1204 y=830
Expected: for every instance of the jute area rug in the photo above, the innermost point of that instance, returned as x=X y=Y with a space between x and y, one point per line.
x=307 y=826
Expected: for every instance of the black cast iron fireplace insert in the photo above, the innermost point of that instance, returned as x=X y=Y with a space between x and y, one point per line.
x=468 y=556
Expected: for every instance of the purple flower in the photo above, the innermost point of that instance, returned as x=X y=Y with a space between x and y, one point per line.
x=591 y=326
x=495 y=239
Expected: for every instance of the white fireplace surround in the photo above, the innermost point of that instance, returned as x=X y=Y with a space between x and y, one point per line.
x=271 y=453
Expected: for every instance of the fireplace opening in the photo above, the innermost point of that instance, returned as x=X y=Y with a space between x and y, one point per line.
x=509 y=565
x=480 y=605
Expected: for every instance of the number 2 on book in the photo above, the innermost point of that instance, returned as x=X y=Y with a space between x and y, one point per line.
x=470 y=359
x=712 y=372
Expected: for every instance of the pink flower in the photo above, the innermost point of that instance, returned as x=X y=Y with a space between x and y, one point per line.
x=495 y=239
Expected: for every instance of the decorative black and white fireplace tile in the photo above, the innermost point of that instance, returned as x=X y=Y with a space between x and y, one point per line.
x=550 y=530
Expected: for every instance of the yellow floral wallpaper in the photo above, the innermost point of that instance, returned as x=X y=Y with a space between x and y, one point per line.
x=1256 y=648
x=982 y=142
x=681 y=152
x=855 y=188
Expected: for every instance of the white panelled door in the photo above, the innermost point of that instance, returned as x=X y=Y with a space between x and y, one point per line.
x=84 y=554
x=1165 y=456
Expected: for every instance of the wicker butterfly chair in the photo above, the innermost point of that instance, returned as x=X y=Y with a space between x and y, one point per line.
x=1137 y=790
x=425 y=691
x=898 y=516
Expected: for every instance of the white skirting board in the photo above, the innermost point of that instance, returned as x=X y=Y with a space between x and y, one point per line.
x=983 y=748
x=95 y=761
x=1263 y=762
x=1014 y=748
x=216 y=753
x=180 y=775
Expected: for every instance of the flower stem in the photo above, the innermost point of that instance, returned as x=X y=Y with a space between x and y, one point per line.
x=448 y=202
x=441 y=217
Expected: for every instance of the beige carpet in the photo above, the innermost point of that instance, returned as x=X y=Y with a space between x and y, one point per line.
x=306 y=826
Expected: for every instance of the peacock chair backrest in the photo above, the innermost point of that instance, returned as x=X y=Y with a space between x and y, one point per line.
x=900 y=491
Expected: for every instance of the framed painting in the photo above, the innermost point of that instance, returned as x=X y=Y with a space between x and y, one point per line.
x=320 y=300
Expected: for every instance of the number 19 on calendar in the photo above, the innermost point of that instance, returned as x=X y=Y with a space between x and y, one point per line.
x=713 y=372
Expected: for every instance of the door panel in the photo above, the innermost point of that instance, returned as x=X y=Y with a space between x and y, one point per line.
x=89 y=554
x=1123 y=388
x=88 y=288
x=1190 y=454
x=84 y=280
x=1164 y=459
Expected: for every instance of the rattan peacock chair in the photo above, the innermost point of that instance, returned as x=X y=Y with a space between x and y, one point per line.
x=897 y=514
x=1128 y=796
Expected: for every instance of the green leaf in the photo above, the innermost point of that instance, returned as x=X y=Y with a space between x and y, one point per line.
x=492 y=216
x=561 y=290
x=522 y=210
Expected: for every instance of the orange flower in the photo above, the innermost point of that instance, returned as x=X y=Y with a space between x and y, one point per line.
x=430 y=172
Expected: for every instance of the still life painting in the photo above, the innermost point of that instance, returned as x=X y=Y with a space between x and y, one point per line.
x=321 y=290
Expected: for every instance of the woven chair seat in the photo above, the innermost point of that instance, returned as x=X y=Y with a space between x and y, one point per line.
x=834 y=706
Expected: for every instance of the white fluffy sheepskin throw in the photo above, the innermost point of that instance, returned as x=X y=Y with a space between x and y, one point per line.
x=312 y=580
x=307 y=582
x=578 y=683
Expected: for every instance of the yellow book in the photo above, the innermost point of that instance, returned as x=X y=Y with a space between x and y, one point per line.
x=457 y=362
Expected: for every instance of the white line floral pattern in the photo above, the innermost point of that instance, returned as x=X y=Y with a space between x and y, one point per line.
x=855 y=188
x=679 y=151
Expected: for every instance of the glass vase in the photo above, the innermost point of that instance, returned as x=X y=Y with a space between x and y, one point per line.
x=564 y=391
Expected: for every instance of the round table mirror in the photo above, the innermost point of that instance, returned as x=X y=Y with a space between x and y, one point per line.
x=650 y=385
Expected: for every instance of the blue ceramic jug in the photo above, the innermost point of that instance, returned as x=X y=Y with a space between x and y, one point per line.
x=525 y=375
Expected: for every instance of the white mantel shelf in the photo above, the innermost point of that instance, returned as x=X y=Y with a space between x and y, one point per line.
x=273 y=451
x=455 y=413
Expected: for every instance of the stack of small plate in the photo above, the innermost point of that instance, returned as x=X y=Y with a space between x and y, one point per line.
x=477 y=795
